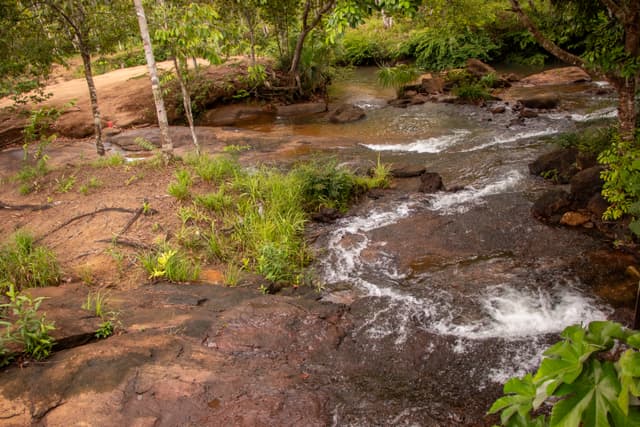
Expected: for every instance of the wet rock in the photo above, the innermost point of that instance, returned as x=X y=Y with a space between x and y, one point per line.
x=445 y=99
x=407 y=171
x=586 y=160
x=552 y=203
x=72 y=125
x=346 y=113
x=541 y=102
x=302 y=109
x=418 y=99
x=400 y=102
x=498 y=109
x=232 y=114
x=557 y=76
x=585 y=184
x=326 y=215
x=597 y=205
x=516 y=121
x=180 y=136
x=526 y=113
x=432 y=85
x=360 y=167
x=558 y=164
x=478 y=68
x=430 y=182
x=574 y=219
x=511 y=78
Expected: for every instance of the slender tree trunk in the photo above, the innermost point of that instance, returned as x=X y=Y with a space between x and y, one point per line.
x=93 y=96
x=627 y=111
x=163 y=123
x=186 y=101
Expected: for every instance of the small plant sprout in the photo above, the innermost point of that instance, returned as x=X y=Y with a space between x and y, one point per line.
x=146 y=207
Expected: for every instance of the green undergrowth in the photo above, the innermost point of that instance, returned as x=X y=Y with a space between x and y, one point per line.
x=252 y=219
x=27 y=264
x=590 y=378
x=23 y=326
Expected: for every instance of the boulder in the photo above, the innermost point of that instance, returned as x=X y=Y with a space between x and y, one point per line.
x=432 y=85
x=552 y=203
x=478 y=68
x=407 y=171
x=302 y=109
x=574 y=219
x=559 y=163
x=557 y=76
x=498 y=109
x=526 y=113
x=346 y=113
x=597 y=205
x=585 y=184
x=232 y=114
x=326 y=215
x=541 y=102
x=430 y=182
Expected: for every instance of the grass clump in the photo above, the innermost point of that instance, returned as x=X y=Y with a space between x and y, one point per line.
x=215 y=201
x=113 y=160
x=26 y=264
x=180 y=187
x=170 y=264
x=214 y=168
x=397 y=77
x=23 y=325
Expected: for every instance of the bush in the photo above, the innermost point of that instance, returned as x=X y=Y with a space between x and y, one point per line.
x=397 y=77
x=168 y=263
x=437 y=49
x=590 y=378
x=590 y=141
x=621 y=177
x=371 y=43
x=326 y=185
x=26 y=265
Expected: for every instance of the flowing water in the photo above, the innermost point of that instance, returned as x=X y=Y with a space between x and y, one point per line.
x=452 y=293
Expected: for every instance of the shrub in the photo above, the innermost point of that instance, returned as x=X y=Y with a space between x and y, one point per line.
x=326 y=185
x=180 y=187
x=473 y=92
x=169 y=264
x=397 y=77
x=25 y=264
x=28 y=329
x=591 y=378
x=621 y=177
x=438 y=49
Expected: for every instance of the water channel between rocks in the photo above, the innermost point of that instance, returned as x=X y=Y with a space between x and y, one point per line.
x=451 y=293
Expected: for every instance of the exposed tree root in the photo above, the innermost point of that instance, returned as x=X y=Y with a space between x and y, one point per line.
x=137 y=213
x=26 y=207
x=124 y=242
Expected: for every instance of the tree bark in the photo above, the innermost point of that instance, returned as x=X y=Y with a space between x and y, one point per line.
x=186 y=102
x=93 y=95
x=163 y=123
x=627 y=111
x=304 y=32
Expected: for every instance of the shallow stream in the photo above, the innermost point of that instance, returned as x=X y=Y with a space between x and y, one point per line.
x=451 y=293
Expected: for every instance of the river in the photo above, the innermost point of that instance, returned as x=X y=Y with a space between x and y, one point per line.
x=450 y=294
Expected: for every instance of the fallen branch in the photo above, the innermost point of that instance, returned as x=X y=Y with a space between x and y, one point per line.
x=139 y=212
x=26 y=207
x=76 y=218
x=125 y=242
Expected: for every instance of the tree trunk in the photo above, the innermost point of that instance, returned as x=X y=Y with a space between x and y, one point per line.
x=163 y=123
x=627 y=112
x=93 y=96
x=186 y=101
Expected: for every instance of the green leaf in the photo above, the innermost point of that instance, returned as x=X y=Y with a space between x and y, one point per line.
x=590 y=399
x=520 y=393
x=634 y=340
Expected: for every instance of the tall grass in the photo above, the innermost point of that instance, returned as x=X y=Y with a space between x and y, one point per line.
x=26 y=264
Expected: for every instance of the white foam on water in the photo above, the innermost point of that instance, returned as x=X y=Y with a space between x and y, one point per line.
x=605 y=113
x=513 y=138
x=430 y=145
x=511 y=313
x=461 y=201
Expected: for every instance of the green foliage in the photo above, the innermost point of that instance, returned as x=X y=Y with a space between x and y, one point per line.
x=170 y=264
x=621 y=177
x=591 y=377
x=28 y=328
x=25 y=264
x=93 y=183
x=97 y=303
x=113 y=160
x=326 y=185
x=439 y=49
x=180 y=187
x=371 y=43
x=217 y=201
x=473 y=92
x=591 y=141
x=65 y=183
x=214 y=168
x=397 y=77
